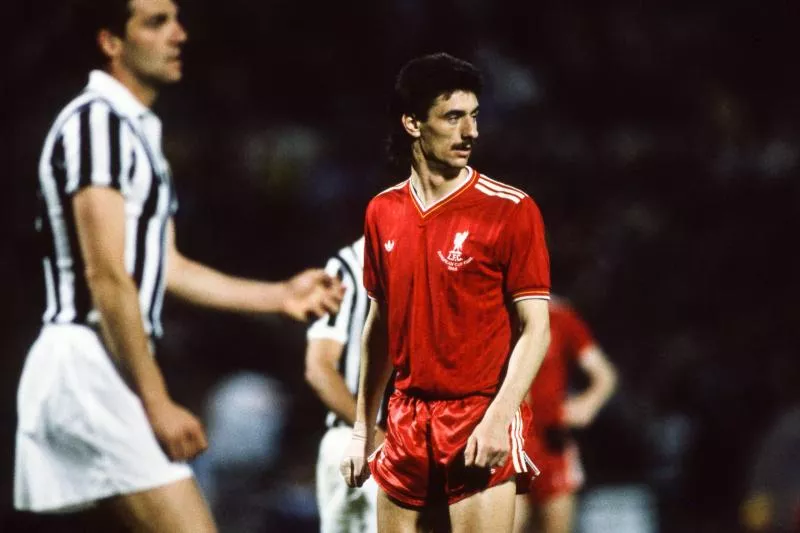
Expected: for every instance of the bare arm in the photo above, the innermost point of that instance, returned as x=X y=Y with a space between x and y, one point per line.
x=488 y=444
x=580 y=410
x=322 y=360
x=100 y=222
x=311 y=293
x=375 y=371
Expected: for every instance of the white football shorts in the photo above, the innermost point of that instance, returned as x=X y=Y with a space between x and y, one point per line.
x=82 y=434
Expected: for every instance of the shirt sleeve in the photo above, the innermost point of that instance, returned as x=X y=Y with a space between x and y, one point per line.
x=336 y=326
x=372 y=280
x=523 y=250
x=90 y=149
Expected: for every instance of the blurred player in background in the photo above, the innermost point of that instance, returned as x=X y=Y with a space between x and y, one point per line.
x=96 y=424
x=458 y=275
x=549 y=507
x=333 y=356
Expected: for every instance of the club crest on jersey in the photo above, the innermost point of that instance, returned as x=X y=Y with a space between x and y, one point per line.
x=389 y=246
x=455 y=258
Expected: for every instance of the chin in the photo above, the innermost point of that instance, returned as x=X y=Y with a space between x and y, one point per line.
x=173 y=72
x=449 y=164
x=171 y=78
x=162 y=79
x=454 y=168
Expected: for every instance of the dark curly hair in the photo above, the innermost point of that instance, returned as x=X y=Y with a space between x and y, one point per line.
x=419 y=83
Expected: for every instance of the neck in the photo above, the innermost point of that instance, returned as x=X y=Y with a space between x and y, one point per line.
x=432 y=186
x=142 y=91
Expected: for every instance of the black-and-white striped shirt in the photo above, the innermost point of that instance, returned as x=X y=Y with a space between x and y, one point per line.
x=347 y=325
x=104 y=138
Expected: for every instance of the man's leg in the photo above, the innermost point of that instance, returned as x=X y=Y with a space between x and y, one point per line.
x=489 y=511
x=557 y=513
x=523 y=514
x=394 y=518
x=175 y=508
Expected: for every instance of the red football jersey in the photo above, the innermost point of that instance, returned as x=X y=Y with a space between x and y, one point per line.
x=569 y=336
x=448 y=275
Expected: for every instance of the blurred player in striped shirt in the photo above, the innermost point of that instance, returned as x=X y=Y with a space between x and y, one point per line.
x=333 y=356
x=96 y=423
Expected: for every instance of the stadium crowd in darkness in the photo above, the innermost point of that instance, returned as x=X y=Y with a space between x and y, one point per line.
x=662 y=145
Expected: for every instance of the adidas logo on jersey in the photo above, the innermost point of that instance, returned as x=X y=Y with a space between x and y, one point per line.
x=389 y=245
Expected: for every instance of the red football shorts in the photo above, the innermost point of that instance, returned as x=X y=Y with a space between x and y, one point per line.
x=421 y=460
x=561 y=469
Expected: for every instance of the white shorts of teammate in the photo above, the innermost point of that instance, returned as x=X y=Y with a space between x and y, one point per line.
x=342 y=509
x=82 y=434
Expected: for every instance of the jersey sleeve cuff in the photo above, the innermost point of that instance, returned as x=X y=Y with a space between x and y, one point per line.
x=326 y=333
x=531 y=294
x=99 y=183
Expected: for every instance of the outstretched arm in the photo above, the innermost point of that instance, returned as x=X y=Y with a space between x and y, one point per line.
x=580 y=410
x=312 y=293
x=488 y=445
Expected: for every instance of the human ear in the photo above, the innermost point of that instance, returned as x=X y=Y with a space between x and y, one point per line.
x=110 y=44
x=411 y=125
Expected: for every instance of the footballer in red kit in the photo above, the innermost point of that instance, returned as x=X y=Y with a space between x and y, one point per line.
x=548 y=502
x=450 y=273
x=569 y=339
x=457 y=270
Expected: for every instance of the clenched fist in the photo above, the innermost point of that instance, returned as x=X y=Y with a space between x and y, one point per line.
x=179 y=432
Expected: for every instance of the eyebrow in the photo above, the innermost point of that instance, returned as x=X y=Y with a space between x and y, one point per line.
x=162 y=16
x=461 y=112
x=156 y=19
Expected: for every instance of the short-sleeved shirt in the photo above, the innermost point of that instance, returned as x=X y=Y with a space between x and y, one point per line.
x=569 y=337
x=104 y=138
x=448 y=276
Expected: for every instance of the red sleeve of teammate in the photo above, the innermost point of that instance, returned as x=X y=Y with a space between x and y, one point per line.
x=576 y=332
x=523 y=251
x=372 y=281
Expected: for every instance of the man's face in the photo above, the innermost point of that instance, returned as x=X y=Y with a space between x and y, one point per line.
x=449 y=133
x=152 y=46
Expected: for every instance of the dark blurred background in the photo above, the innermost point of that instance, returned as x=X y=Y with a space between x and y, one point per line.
x=660 y=140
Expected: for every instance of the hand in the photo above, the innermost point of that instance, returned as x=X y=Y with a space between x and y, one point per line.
x=311 y=294
x=179 y=432
x=578 y=412
x=488 y=444
x=354 y=467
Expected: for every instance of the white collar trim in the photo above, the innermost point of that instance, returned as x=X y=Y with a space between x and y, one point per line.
x=115 y=92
